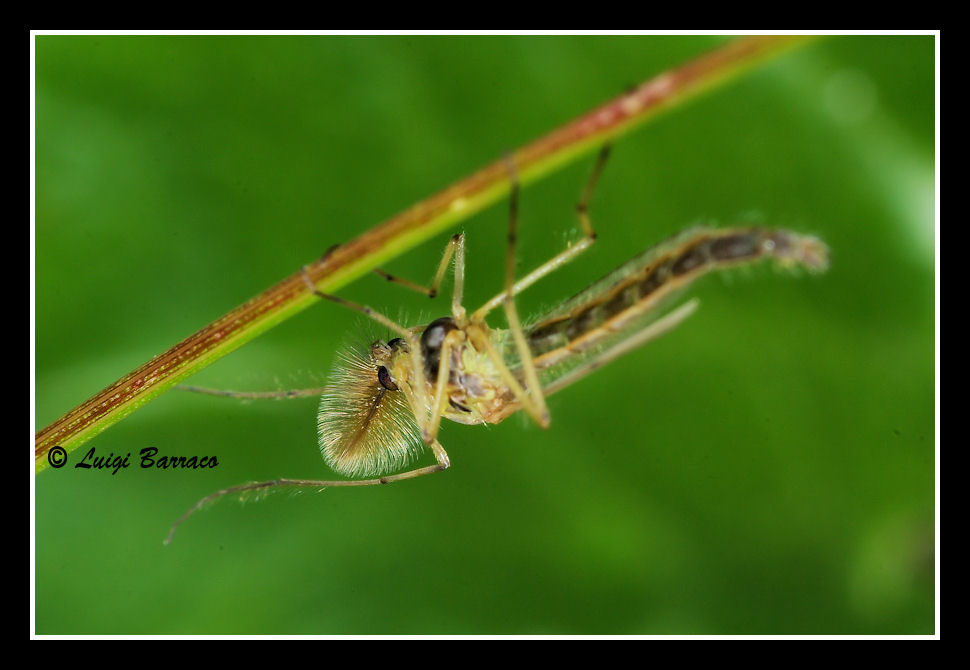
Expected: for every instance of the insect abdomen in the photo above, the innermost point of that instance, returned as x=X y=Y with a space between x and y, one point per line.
x=637 y=286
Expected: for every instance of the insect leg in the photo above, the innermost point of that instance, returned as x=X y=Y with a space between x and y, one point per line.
x=444 y=373
x=535 y=402
x=456 y=243
x=254 y=395
x=440 y=455
x=566 y=255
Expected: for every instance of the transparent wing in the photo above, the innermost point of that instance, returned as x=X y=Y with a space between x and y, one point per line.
x=633 y=329
x=618 y=276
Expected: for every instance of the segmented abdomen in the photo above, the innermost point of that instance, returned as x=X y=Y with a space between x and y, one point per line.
x=628 y=293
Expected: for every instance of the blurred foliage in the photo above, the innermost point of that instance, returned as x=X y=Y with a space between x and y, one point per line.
x=768 y=468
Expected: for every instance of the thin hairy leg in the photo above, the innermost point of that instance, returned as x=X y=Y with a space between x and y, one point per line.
x=455 y=244
x=440 y=455
x=564 y=256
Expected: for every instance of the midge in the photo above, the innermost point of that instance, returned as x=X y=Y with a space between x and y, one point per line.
x=385 y=402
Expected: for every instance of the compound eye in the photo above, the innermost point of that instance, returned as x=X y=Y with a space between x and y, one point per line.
x=432 y=340
x=384 y=377
x=398 y=343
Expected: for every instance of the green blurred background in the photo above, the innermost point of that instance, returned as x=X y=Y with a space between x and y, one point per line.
x=768 y=468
